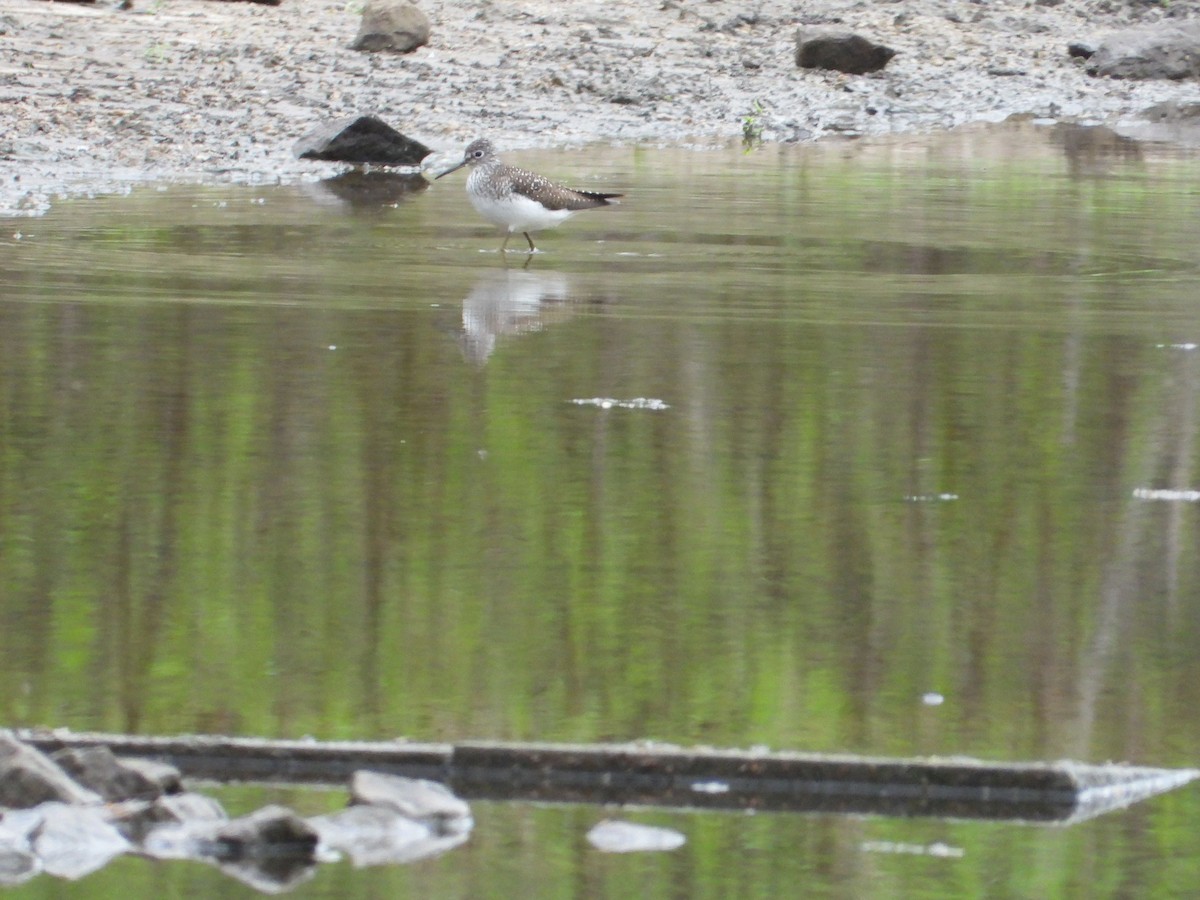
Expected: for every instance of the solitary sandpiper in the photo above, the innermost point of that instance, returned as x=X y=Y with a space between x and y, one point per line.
x=517 y=200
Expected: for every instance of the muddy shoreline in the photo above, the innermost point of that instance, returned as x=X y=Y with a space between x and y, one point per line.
x=93 y=99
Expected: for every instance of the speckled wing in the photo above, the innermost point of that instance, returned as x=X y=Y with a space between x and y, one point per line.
x=554 y=196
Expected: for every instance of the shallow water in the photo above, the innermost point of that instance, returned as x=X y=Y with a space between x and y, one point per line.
x=890 y=420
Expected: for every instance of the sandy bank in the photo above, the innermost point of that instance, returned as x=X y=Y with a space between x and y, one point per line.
x=92 y=99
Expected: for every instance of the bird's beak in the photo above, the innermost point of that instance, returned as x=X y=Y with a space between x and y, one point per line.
x=451 y=169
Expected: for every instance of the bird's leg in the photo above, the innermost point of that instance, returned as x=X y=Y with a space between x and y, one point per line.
x=505 y=244
x=532 y=249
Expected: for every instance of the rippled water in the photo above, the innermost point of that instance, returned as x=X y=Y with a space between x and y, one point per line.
x=782 y=446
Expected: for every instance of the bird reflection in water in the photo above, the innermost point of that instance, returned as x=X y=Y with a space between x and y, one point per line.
x=509 y=302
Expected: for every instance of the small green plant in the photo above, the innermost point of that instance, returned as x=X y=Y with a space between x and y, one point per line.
x=155 y=52
x=752 y=126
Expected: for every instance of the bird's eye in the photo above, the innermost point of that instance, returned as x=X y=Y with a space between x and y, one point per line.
x=478 y=154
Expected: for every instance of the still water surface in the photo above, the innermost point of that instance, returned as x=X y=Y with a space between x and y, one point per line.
x=288 y=461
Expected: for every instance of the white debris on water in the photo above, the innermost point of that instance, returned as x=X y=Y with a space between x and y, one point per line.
x=935 y=849
x=1184 y=346
x=944 y=497
x=1169 y=494
x=710 y=787
x=613 y=836
x=932 y=698
x=650 y=403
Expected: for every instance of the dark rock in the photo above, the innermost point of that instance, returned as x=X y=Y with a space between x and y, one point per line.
x=414 y=798
x=273 y=831
x=1165 y=50
x=365 y=139
x=392 y=25
x=29 y=777
x=114 y=779
x=379 y=836
x=843 y=51
x=73 y=841
x=1080 y=50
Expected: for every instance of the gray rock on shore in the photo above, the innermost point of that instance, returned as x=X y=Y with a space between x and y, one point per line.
x=392 y=25
x=1165 y=50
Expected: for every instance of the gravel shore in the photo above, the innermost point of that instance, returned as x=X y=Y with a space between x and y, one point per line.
x=93 y=98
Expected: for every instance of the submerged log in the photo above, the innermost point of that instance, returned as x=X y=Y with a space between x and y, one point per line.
x=663 y=775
